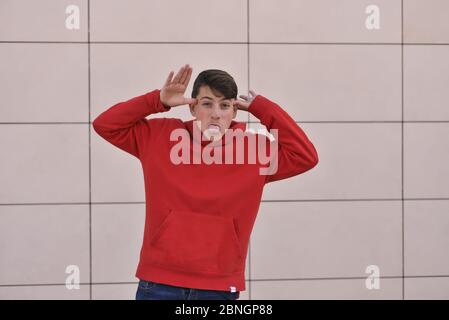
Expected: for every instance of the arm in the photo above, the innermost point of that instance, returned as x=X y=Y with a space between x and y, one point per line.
x=296 y=154
x=124 y=124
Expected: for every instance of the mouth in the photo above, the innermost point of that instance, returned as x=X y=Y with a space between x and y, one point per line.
x=213 y=127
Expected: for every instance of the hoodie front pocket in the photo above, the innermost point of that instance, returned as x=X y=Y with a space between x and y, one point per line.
x=196 y=242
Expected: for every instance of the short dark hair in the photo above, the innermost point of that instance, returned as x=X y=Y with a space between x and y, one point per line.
x=219 y=81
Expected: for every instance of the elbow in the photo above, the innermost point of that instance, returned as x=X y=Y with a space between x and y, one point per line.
x=312 y=163
x=315 y=160
x=95 y=125
x=313 y=157
x=98 y=128
x=97 y=122
x=305 y=162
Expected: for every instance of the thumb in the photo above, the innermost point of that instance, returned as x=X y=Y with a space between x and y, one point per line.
x=238 y=103
x=190 y=101
x=242 y=105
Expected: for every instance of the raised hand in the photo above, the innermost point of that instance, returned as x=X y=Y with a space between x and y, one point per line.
x=172 y=93
x=244 y=105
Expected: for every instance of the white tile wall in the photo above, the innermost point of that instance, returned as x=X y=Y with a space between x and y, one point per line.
x=379 y=195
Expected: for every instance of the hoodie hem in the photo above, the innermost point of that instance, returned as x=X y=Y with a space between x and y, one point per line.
x=193 y=281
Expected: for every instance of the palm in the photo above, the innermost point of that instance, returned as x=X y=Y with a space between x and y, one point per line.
x=172 y=93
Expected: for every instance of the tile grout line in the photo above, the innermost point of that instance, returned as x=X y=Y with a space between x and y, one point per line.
x=249 y=118
x=402 y=148
x=231 y=42
x=400 y=277
x=90 y=150
x=263 y=201
x=255 y=122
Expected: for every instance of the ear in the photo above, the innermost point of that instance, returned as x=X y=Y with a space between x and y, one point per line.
x=235 y=111
x=192 y=109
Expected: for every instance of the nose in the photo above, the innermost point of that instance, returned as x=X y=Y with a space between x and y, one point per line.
x=215 y=113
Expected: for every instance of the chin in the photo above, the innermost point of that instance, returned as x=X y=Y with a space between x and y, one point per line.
x=210 y=136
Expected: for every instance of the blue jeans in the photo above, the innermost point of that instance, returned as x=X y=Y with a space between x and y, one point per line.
x=148 y=290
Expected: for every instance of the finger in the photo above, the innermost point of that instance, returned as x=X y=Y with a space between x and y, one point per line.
x=189 y=101
x=184 y=75
x=178 y=75
x=239 y=104
x=242 y=107
x=187 y=79
x=170 y=76
x=243 y=97
x=252 y=92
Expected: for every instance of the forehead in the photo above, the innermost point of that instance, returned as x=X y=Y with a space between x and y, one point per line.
x=205 y=93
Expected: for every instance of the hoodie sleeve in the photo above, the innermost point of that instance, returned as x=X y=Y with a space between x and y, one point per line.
x=124 y=124
x=296 y=153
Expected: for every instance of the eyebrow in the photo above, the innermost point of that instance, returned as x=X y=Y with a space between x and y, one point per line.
x=207 y=97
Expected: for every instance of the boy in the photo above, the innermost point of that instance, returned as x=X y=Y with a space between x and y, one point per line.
x=199 y=216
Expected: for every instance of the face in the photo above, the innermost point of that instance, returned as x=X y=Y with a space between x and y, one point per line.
x=214 y=112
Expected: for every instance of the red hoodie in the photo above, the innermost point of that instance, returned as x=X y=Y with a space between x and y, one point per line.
x=199 y=216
